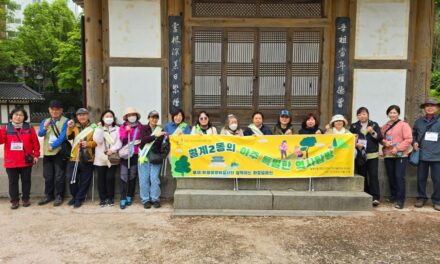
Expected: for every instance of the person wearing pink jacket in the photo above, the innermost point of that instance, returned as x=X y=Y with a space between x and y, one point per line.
x=397 y=140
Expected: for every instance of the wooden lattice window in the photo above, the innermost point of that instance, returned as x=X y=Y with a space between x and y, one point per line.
x=258 y=8
x=248 y=69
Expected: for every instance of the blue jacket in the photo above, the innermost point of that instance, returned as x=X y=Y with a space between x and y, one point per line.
x=429 y=150
x=60 y=139
x=170 y=127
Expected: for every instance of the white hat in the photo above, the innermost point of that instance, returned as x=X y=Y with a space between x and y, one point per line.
x=338 y=118
x=131 y=110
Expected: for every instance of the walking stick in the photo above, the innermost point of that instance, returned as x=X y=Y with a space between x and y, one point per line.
x=128 y=164
x=75 y=168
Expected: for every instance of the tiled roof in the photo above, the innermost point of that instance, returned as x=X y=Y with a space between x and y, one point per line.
x=18 y=91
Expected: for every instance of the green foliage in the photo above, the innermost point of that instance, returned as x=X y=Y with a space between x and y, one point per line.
x=68 y=62
x=182 y=165
x=45 y=27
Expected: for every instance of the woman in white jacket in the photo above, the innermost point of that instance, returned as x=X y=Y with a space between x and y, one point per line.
x=106 y=161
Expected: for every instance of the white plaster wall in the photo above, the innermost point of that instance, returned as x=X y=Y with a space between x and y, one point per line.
x=28 y=110
x=382 y=28
x=139 y=87
x=377 y=90
x=135 y=28
x=4 y=113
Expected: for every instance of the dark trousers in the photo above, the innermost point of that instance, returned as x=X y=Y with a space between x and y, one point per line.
x=106 y=182
x=396 y=170
x=422 y=177
x=14 y=176
x=128 y=189
x=128 y=180
x=370 y=170
x=54 y=168
x=84 y=176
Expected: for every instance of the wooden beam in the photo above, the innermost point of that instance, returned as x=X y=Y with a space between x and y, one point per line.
x=381 y=64
x=259 y=22
x=137 y=62
x=93 y=32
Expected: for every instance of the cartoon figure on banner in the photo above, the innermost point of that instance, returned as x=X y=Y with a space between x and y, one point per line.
x=299 y=154
x=283 y=149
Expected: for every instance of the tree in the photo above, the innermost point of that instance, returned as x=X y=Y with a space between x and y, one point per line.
x=68 y=61
x=45 y=27
x=182 y=165
x=11 y=57
x=307 y=143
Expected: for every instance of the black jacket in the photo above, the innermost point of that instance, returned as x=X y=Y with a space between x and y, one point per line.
x=264 y=129
x=309 y=131
x=372 y=143
x=146 y=137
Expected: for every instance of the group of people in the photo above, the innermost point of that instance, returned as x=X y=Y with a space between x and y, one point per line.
x=139 y=151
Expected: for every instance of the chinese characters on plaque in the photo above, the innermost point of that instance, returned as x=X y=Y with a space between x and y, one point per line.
x=175 y=62
x=340 y=88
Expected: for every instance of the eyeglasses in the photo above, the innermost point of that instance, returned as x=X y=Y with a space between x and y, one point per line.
x=18 y=115
x=203 y=118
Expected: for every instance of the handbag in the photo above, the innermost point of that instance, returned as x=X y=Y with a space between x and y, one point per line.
x=126 y=150
x=66 y=147
x=154 y=158
x=414 y=158
x=114 y=157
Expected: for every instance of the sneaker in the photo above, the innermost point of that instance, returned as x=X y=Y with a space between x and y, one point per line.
x=398 y=206
x=129 y=200
x=376 y=203
x=147 y=205
x=420 y=203
x=437 y=207
x=58 y=201
x=110 y=202
x=123 y=204
x=45 y=200
x=102 y=203
x=156 y=204
x=71 y=202
x=77 y=204
x=14 y=205
x=26 y=203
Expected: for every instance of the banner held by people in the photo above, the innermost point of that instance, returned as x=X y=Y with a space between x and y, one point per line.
x=298 y=156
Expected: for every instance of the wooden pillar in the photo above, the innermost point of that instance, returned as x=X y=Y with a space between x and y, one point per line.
x=93 y=39
x=338 y=8
x=422 y=60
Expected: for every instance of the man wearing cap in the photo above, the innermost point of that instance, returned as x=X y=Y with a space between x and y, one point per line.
x=53 y=129
x=425 y=134
x=80 y=167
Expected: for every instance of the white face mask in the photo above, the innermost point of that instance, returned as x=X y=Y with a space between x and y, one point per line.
x=132 y=119
x=233 y=127
x=108 y=120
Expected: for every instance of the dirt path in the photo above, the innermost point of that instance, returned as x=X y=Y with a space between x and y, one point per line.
x=108 y=235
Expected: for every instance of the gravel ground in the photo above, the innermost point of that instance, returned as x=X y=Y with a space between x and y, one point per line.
x=90 y=234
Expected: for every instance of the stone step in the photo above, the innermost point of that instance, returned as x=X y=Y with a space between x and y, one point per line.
x=222 y=199
x=190 y=199
x=294 y=213
x=323 y=200
x=355 y=183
